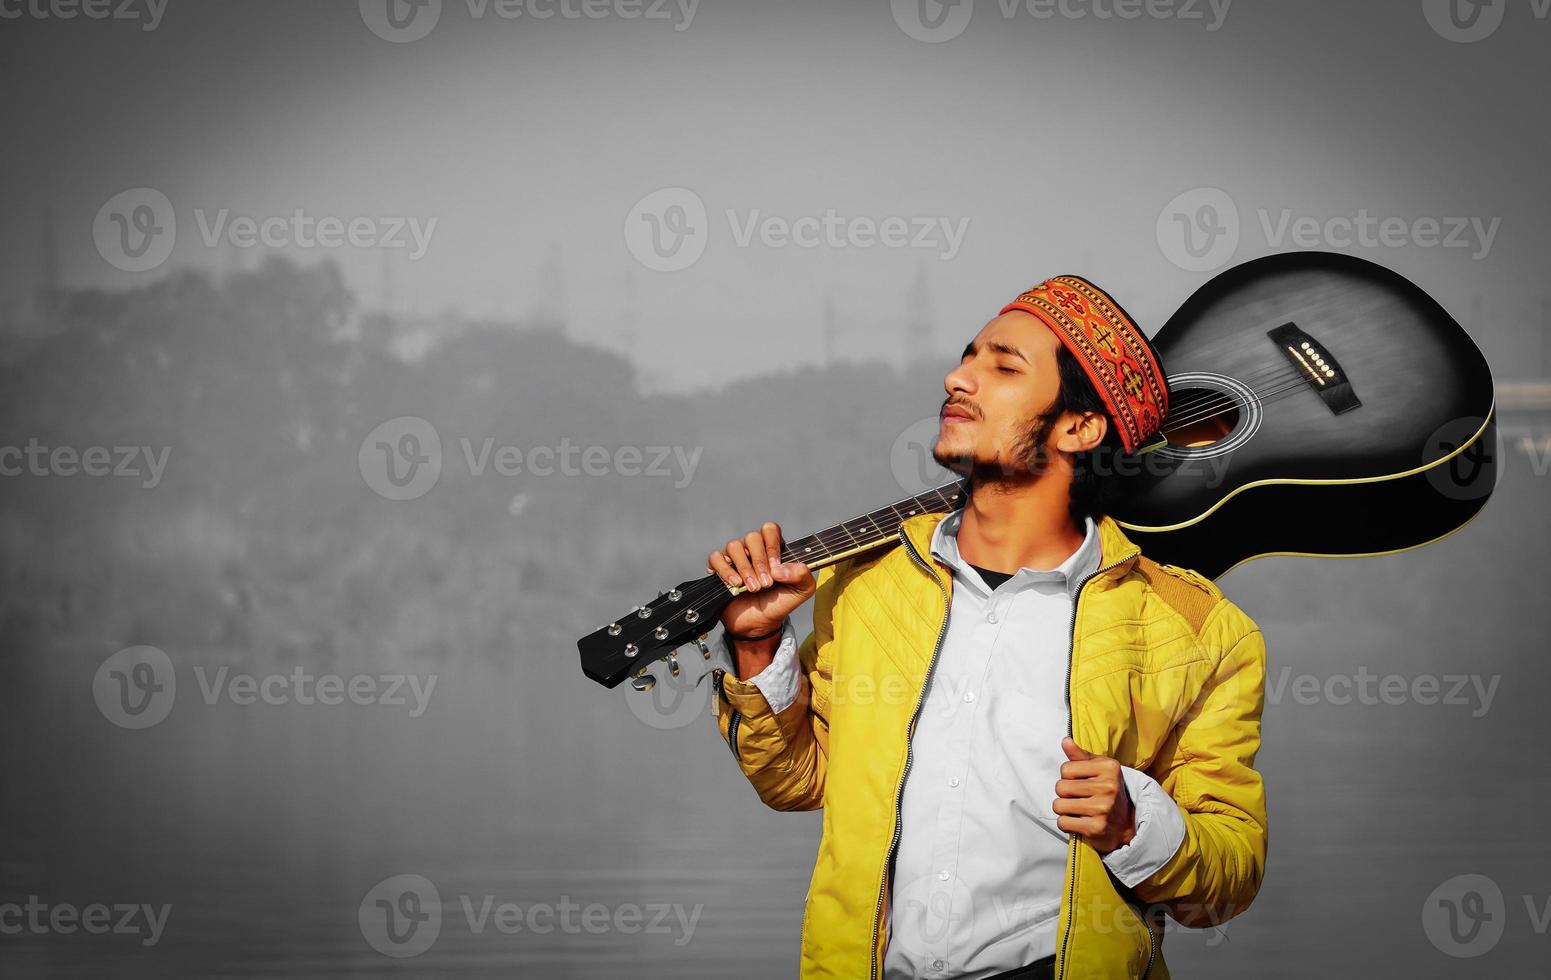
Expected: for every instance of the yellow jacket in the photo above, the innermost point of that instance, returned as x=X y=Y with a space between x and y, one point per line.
x=1166 y=675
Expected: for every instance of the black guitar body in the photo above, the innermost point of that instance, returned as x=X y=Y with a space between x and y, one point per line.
x=1319 y=405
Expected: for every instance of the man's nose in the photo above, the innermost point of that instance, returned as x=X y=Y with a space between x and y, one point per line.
x=959 y=380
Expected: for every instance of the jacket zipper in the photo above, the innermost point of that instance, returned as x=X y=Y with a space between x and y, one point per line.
x=1071 y=885
x=732 y=720
x=899 y=793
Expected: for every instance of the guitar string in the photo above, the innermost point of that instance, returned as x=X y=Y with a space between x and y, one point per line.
x=709 y=585
x=1274 y=376
x=712 y=583
x=841 y=535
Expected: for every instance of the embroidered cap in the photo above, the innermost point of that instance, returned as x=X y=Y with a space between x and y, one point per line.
x=1117 y=357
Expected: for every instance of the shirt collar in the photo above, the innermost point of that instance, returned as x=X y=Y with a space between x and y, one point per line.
x=1070 y=573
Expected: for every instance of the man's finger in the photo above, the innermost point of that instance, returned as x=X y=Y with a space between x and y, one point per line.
x=1085 y=770
x=772 y=532
x=1078 y=789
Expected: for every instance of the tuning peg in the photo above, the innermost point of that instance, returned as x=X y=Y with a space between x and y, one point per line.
x=643 y=682
x=644 y=612
x=631 y=649
x=614 y=629
x=673 y=663
x=705 y=648
x=675 y=595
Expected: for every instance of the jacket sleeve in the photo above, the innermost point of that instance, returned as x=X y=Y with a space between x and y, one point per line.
x=1207 y=766
x=785 y=754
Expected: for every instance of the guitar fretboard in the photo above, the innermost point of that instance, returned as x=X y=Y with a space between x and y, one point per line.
x=869 y=530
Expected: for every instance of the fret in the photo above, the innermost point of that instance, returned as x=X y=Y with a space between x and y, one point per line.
x=869 y=530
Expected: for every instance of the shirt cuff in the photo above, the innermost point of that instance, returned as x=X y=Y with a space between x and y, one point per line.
x=778 y=681
x=1160 y=828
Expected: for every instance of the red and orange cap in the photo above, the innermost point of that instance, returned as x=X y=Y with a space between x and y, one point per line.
x=1113 y=351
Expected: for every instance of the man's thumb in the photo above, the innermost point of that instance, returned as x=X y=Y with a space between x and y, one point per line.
x=789 y=571
x=1073 y=751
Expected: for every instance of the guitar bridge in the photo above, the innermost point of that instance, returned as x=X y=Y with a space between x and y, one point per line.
x=1317 y=366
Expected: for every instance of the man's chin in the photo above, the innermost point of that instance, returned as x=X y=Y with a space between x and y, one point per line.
x=962 y=464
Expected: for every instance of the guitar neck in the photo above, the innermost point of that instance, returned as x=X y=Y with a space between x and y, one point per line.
x=870 y=530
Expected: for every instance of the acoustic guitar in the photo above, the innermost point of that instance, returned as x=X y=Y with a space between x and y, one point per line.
x=1319 y=404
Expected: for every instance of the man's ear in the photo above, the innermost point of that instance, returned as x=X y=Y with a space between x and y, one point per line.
x=1083 y=432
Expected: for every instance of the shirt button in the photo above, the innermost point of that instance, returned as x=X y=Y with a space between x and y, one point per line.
x=954 y=781
x=969 y=695
x=943 y=875
x=939 y=965
x=991 y=617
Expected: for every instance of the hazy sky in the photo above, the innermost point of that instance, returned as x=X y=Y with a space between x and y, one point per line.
x=1024 y=147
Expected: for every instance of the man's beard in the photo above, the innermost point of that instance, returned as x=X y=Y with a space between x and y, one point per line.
x=1028 y=458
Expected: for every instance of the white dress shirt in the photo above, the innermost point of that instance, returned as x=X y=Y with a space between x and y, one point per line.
x=980 y=869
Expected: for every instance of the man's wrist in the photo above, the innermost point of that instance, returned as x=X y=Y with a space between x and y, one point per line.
x=762 y=636
x=750 y=656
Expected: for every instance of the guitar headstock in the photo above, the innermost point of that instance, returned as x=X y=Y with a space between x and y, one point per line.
x=649 y=633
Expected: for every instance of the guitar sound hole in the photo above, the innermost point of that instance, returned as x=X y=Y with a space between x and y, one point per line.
x=1206 y=415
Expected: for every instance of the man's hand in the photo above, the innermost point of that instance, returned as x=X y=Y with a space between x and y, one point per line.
x=1092 y=799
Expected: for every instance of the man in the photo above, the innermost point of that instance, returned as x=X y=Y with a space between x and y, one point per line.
x=1030 y=740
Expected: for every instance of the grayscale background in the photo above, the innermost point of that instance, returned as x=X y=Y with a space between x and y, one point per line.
x=265 y=448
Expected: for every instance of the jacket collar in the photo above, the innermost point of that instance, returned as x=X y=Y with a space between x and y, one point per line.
x=1115 y=549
